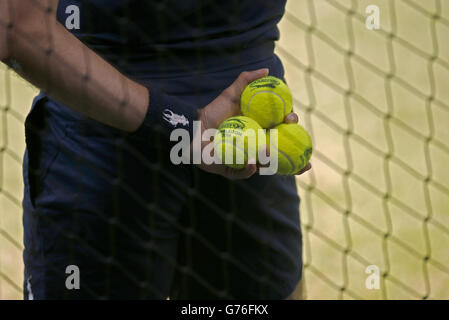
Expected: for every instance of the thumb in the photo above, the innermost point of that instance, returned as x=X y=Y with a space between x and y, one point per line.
x=244 y=79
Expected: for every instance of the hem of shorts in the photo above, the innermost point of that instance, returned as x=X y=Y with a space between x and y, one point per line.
x=291 y=289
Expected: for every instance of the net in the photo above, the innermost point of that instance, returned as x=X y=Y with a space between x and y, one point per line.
x=377 y=108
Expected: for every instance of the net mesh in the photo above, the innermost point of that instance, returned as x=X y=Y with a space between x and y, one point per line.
x=376 y=105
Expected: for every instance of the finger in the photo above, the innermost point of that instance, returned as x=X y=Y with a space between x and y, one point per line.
x=307 y=168
x=244 y=79
x=244 y=173
x=291 y=118
x=264 y=155
x=264 y=151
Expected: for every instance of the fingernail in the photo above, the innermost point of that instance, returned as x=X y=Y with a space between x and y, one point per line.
x=292 y=117
x=264 y=150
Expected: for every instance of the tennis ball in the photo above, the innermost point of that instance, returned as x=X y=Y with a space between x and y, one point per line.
x=237 y=140
x=267 y=100
x=293 y=148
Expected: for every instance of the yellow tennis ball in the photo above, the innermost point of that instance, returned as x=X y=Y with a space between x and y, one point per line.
x=237 y=140
x=293 y=148
x=267 y=100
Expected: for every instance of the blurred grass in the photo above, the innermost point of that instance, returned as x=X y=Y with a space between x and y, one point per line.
x=378 y=112
x=15 y=100
x=377 y=108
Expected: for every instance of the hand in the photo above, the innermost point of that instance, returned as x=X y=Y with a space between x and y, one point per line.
x=227 y=105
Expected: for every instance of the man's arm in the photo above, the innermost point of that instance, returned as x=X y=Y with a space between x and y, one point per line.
x=52 y=59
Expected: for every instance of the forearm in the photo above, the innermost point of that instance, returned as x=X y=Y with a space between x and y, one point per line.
x=57 y=62
x=4 y=21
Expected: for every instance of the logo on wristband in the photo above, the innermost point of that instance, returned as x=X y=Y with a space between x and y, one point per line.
x=174 y=119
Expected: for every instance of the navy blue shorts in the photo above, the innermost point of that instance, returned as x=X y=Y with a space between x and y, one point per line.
x=138 y=227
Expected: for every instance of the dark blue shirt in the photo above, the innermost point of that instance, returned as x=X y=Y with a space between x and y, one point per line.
x=144 y=37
